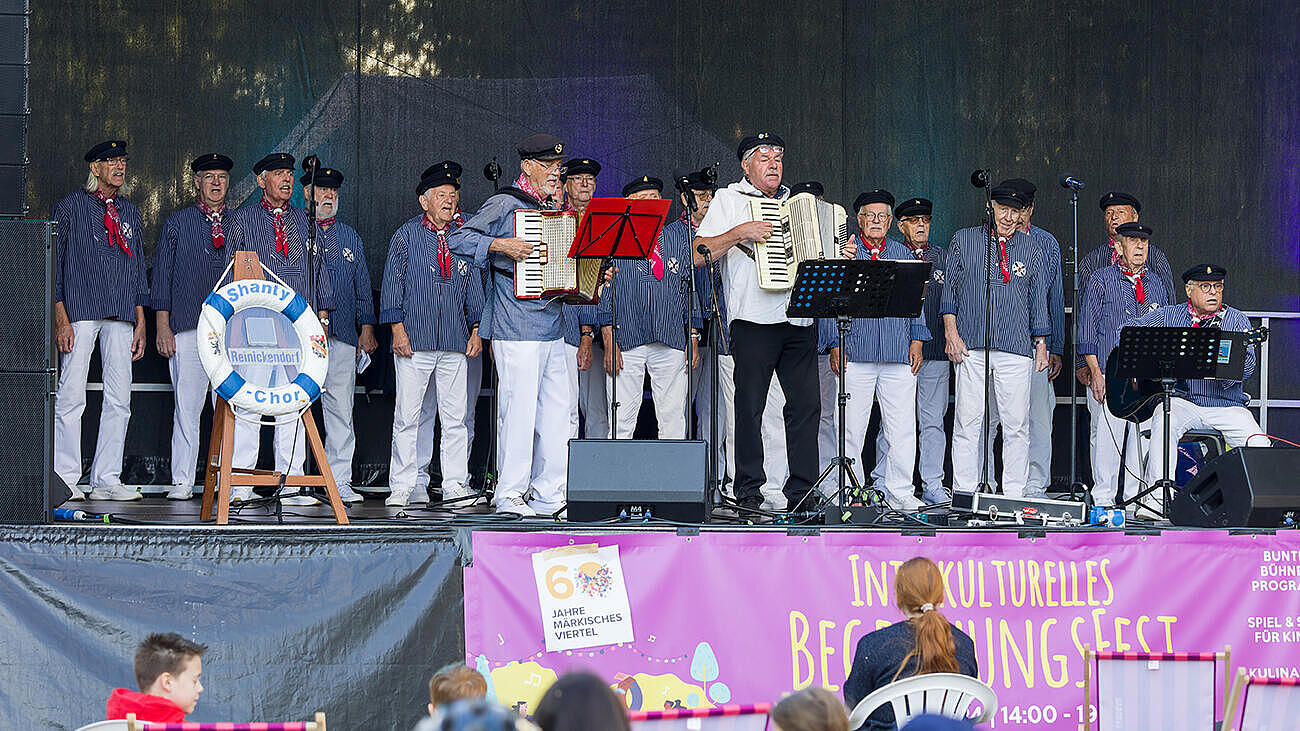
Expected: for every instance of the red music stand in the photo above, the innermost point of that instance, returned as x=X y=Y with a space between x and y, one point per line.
x=618 y=228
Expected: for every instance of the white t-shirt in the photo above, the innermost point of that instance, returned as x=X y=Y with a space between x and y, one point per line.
x=745 y=299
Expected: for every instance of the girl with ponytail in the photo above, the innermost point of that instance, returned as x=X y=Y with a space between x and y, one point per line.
x=922 y=643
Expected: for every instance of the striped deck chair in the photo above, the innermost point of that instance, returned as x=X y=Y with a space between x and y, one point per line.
x=1137 y=691
x=317 y=725
x=1269 y=704
x=723 y=718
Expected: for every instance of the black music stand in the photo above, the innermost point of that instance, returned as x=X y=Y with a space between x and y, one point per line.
x=618 y=228
x=845 y=289
x=1167 y=355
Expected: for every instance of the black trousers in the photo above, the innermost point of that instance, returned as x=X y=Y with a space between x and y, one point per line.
x=791 y=353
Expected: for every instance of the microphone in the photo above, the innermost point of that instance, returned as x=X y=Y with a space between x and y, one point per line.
x=492 y=171
x=1071 y=182
x=980 y=178
x=703 y=249
x=310 y=162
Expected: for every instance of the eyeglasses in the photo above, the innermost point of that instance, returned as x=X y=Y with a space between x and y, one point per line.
x=552 y=166
x=915 y=219
x=877 y=217
x=1210 y=287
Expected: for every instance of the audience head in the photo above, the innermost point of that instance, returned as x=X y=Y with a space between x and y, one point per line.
x=811 y=709
x=474 y=714
x=581 y=701
x=170 y=666
x=453 y=683
x=932 y=722
x=918 y=591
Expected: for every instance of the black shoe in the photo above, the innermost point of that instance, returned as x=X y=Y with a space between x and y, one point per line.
x=804 y=504
x=750 y=506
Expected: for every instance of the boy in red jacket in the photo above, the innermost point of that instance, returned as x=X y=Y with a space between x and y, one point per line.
x=168 y=670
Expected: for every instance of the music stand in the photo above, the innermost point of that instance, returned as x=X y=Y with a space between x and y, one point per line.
x=1166 y=355
x=618 y=228
x=845 y=289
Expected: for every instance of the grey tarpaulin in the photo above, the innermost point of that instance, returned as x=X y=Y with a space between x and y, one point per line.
x=351 y=622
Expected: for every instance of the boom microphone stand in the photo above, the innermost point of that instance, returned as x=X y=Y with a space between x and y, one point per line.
x=1076 y=488
x=980 y=179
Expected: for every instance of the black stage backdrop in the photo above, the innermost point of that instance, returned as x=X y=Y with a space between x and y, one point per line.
x=1188 y=105
x=347 y=621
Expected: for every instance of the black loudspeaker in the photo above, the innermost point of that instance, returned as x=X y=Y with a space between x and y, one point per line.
x=15 y=19
x=638 y=478
x=26 y=342
x=27 y=449
x=1247 y=487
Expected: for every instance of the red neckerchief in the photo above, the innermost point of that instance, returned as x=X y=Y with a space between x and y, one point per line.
x=326 y=222
x=444 y=253
x=281 y=240
x=656 y=260
x=685 y=217
x=1202 y=320
x=214 y=218
x=1136 y=279
x=1002 y=259
x=1114 y=251
x=917 y=251
x=112 y=222
x=458 y=218
x=522 y=183
x=875 y=253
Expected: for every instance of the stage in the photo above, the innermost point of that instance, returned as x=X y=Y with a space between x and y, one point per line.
x=352 y=620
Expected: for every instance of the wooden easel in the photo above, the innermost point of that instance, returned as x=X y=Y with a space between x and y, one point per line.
x=221 y=476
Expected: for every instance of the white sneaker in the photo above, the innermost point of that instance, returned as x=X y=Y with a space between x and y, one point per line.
x=240 y=494
x=932 y=497
x=180 y=492
x=906 y=502
x=121 y=493
x=77 y=495
x=299 y=500
x=398 y=498
x=514 y=504
x=348 y=495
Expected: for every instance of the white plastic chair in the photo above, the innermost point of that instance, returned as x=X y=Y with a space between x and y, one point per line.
x=944 y=694
x=118 y=725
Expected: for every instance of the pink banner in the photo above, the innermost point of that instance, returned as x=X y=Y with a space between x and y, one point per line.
x=730 y=617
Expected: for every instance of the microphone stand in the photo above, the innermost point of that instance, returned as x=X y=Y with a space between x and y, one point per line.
x=715 y=334
x=688 y=299
x=988 y=326
x=1075 y=487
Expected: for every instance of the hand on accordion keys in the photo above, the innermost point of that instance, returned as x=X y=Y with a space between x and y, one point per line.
x=513 y=247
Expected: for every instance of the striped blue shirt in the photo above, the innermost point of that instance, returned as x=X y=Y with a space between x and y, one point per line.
x=575 y=316
x=505 y=317
x=345 y=258
x=1102 y=257
x=876 y=339
x=1055 y=291
x=704 y=292
x=1111 y=301
x=254 y=230
x=437 y=312
x=1205 y=391
x=93 y=278
x=932 y=349
x=652 y=310
x=1019 y=306
x=186 y=266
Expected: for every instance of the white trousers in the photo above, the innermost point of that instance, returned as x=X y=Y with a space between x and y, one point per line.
x=828 y=436
x=114 y=337
x=1095 y=418
x=430 y=383
x=703 y=387
x=589 y=396
x=190 y=387
x=895 y=387
x=1235 y=423
x=1042 y=406
x=932 y=440
x=1115 y=434
x=532 y=420
x=668 y=383
x=424 y=438
x=290 y=436
x=336 y=407
x=1010 y=391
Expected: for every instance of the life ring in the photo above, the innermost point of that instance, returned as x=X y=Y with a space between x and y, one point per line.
x=313 y=356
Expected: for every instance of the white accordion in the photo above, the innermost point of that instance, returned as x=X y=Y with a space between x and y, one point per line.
x=549 y=271
x=803 y=228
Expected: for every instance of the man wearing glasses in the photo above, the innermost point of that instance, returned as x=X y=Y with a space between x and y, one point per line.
x=190 y=258
x=100 y=291
x=932 y=379
x=527 y=339
x=764 y=340
x=1203 y=403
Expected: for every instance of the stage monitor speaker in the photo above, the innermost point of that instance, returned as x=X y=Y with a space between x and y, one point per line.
x=27 y=448
x=26 y=268
x=660 y=478
x=1247 y=487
